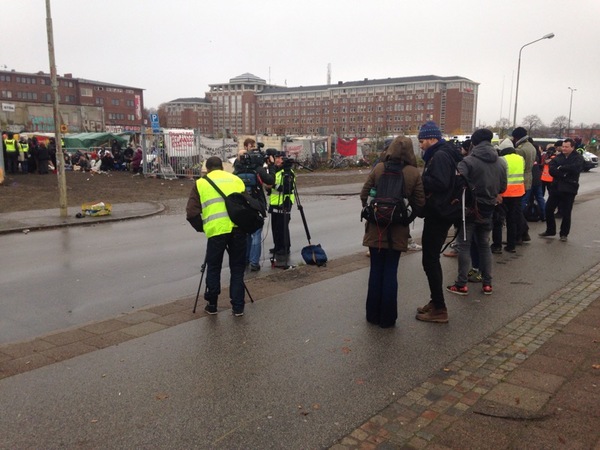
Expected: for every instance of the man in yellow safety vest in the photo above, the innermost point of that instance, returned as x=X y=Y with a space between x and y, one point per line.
x=206 y=211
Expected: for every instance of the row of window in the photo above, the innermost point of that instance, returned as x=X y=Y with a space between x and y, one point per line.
x=121 y=116
x=339 y=130
x=345 y=110
x=369 y=119
x=34 y=96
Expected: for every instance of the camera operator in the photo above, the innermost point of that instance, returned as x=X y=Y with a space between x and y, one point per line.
x=249 y=167
x=280 y=206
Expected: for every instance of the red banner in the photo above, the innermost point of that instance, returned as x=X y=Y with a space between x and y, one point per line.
x=346 y=148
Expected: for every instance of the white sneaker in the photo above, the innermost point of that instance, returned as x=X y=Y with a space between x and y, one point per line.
x=413 y=246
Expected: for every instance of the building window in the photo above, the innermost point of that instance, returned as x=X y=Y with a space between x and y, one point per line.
x=6 y=94
x=99 y=101
x=27 y=95
x=5 y=78
x=69 y=99
x=130 y=103
x=86 y=92
x=115 y=102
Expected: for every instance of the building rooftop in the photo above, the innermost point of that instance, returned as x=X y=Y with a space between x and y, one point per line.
x=364 y=83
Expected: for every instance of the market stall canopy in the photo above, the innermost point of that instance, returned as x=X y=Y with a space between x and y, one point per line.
x=87 y=140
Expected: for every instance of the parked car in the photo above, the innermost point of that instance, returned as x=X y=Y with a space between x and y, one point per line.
x=590 y=161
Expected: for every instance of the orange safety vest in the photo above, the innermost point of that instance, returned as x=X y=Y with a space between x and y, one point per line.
x=546 y=171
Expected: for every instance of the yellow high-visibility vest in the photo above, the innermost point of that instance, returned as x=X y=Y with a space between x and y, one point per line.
x=277 y=198
x=516 y=176
x=215 y=220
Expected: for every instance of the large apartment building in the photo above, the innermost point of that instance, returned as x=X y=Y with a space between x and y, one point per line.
x=84 y=105
x=248 y=105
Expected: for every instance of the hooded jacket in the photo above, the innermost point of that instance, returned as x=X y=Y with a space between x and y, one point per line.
x=528 y=152
x=400 y=150
x=485 y=173
x=440 y=169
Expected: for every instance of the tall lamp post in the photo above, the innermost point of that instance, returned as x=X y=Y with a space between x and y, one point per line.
x=547 y=36
x=570 y=108
x=60 y=159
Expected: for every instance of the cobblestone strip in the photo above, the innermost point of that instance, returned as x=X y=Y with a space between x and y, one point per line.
x=22 y=357
x=415 y=419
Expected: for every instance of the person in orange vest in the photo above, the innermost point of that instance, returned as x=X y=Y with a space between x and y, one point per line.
x=548 y=156
x=515 y=190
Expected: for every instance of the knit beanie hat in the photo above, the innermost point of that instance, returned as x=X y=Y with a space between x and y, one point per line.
x=430 y=130
x=519 y=133
x=483 y=134
x=506 y=143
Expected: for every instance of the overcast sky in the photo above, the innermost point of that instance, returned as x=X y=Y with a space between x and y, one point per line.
x=176 y=48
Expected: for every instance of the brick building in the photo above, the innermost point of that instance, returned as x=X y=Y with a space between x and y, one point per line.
x=248 y=105
x=193 y=112
x=84 y=105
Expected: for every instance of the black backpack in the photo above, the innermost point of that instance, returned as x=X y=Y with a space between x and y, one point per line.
x=390 y=205
x=243 y=210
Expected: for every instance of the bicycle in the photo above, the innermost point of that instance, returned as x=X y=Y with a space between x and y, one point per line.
x=338 y=161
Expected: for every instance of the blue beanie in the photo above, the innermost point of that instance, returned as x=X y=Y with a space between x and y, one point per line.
x=430 y=130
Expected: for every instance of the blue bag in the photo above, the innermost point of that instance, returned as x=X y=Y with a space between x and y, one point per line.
x=314 y=255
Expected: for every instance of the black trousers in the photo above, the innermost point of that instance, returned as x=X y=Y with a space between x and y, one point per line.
x=235 y=244
x=280 y=227
x=435 y=232
x=564 y=202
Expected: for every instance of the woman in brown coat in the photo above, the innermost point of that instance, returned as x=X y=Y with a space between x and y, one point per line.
x=385 y=245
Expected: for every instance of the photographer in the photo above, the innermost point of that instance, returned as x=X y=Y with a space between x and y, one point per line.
x=249 y=167
x=280 y=206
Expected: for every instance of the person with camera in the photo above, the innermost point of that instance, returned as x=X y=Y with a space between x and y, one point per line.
x=249 y=167
x=281 y=200
x=206 y=212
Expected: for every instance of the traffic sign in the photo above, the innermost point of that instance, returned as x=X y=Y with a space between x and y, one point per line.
x=154 y=122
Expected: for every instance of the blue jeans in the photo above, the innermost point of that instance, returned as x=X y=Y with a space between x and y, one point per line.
x=538 y=194
x=235 y=244
x=382 y=296
x=479 y=233
x=253 y=247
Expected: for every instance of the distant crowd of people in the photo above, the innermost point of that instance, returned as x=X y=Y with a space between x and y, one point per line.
x=29 y=156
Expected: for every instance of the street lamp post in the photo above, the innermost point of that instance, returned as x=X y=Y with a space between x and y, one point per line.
x=547 y=36
x=570 y=108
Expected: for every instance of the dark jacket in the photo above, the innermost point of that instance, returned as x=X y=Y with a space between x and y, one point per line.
x=485 y=173
x=400 y=150
x=441 y=160
x=566 y=170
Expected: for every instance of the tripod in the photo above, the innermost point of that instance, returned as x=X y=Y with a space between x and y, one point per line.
x=202 y=270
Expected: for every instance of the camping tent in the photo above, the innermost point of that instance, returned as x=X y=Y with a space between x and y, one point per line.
x=87 y=140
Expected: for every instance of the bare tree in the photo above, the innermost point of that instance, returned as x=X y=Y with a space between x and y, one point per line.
x=532 y=122
x=559 y=125
x=502 y=126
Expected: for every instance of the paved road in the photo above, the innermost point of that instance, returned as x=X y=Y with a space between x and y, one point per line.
x=299 y=370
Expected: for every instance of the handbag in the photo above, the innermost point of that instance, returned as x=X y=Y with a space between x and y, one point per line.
x=243 y=210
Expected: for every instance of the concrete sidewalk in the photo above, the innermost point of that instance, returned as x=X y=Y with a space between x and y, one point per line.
x=535 y=384
x=50 y=218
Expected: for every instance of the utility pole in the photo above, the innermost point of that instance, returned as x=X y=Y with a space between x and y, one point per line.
x=60 y=159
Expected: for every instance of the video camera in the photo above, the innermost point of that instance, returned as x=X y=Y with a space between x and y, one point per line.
x=254 y=158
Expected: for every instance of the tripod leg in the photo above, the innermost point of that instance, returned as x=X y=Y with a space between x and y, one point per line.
x=248 y=292
x=202 y=269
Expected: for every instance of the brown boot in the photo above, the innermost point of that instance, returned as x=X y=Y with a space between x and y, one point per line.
x=434 y=315
x=423 y=309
